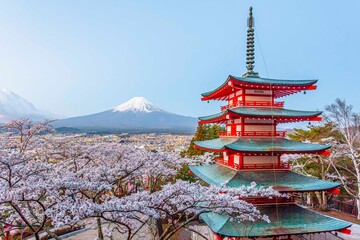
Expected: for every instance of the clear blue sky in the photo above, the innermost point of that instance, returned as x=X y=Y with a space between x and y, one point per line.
x=81 y=57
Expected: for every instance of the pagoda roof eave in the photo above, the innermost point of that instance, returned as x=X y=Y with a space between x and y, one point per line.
x=274 y=82
x=283 y=115
x=217 y=144
x=259 y=145
x=283 y=87
x=288 y=181
x=222 y=89
x=285 y=220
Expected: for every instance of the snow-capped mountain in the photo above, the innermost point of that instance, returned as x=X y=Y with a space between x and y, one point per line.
x=136 y=115
x=137 y=104
x=13 y=106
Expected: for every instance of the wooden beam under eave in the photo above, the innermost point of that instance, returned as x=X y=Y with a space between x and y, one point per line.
x=312 y=87
x=316 y=119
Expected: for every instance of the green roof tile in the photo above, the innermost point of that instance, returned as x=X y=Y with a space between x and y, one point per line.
x=260 y=145
x=215 y=144
x=281 y=180
x=285 y=220
x=278 y=82
x=276 y=112
x=256 y=80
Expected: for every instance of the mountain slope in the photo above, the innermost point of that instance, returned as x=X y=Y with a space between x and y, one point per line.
x=135 y=115
x=13 y=106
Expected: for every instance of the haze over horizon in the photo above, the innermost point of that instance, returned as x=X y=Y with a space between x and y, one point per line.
x=77 y=58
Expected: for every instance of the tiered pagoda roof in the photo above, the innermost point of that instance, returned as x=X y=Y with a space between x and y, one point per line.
x=260 y=145
x=286 y=220
x=281 y=115
x=281 y=87
x=281 y=180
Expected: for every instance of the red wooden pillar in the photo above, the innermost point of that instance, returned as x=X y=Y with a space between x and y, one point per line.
x=231 y=160
x=233 y=129
x=242 y=126
x=241 y=161
x=243 y=96
x=274 y=133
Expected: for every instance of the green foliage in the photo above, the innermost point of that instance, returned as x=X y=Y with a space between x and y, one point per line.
x=184 y=174
x=319 y=166
x=314 y=165
x=203 y=132
x=315 y=133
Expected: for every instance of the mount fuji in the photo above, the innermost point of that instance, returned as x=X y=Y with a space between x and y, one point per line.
x=13 y=106
x=138 y=115
x=137 y=104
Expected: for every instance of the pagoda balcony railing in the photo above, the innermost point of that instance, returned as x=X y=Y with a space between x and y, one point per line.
x=261 y=166
x=259 y=200
x=253 y=134
x=267 y=166
x=253 y=104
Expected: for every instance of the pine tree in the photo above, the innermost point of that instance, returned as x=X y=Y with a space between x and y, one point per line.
x=203 y=132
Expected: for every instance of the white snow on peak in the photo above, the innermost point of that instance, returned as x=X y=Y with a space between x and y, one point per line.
x=14 y=106
x=137 y=104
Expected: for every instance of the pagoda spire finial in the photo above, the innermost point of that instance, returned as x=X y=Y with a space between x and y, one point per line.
x=250 y=54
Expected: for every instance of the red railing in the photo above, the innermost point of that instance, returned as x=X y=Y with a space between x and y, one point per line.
x=264 y=134
x=276 y=200
x=227 y=164
x=253 y=166
x=253 y=104
x=267 y=166
x=229 y=134
x=253 y=134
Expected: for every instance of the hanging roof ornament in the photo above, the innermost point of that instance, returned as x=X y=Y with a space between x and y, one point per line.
x=250 y=54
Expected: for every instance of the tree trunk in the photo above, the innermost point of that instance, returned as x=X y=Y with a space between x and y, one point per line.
x=308 y=199
x=36 y=235
x=159 y=227
x=311 y=200
x=100 y=232
x=321 y=197
x=358 y=207
x=325 y=202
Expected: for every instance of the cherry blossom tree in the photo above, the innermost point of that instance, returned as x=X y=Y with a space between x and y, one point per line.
x=49 y=180
x=341 y=115
x=23 y=131
x=342 y=132
x=179 y=204
x=25 y=178
x=320 y=166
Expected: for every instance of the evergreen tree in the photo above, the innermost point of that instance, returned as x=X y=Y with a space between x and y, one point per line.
x=203 y=132
x=316 y=165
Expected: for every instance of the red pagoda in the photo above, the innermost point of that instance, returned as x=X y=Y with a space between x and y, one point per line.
x=251 y=149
